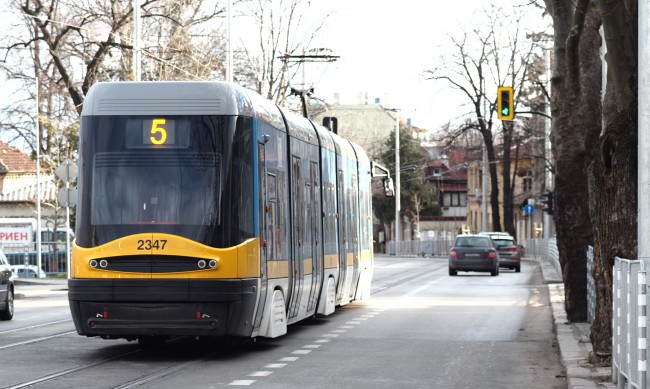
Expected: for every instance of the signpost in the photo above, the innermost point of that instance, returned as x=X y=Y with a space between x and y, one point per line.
x=67 y=197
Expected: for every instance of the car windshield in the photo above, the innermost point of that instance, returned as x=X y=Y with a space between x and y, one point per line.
x=504 y=242
x=473 y=241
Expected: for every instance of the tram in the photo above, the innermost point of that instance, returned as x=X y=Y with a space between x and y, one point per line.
x=206 y=210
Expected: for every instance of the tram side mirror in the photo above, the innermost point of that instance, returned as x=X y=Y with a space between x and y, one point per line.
x=389 y=189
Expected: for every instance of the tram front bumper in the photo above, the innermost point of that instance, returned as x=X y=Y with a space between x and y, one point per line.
x=125 y=308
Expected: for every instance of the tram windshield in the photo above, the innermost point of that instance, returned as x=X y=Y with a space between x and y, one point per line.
x=190 y=176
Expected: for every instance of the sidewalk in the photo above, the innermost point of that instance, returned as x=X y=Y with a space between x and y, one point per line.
x=573 y=340
x=39 y=287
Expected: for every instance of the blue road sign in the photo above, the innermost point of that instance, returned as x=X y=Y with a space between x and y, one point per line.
x=529 y=209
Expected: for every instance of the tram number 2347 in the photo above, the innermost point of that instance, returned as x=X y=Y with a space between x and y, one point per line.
x=152 y=244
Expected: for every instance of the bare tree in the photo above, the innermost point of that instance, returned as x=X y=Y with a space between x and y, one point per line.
x=284 y=31
x=499 y=59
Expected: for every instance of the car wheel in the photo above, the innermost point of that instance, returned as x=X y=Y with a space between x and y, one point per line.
x=518 y=269
x=8 y=312
x=452 y=272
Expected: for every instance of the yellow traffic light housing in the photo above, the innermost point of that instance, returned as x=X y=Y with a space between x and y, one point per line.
x=505 y=103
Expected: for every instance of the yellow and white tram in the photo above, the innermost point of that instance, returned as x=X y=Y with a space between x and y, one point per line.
x=206 y=210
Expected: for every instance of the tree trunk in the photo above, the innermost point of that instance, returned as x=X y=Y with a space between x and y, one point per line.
x=508 y=217
x=576 y=117
x=613 y=204
x=613 y=173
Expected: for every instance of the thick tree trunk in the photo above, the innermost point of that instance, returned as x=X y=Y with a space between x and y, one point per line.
x=575 y=116
x=613 y=174
x=613 y=204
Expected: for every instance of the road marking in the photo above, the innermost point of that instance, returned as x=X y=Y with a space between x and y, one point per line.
x=353 y=322
x=242 y=382
x=331 y=335
x=322 y=341
x=289 y=359
x=275 y=365
x=340 y=331
x=261 y=373
x=301 y=352
x=312 y=346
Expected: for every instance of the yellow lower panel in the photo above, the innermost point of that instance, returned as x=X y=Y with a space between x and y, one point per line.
x=278 y=269
x=331 y=261
x=307 y=266
x=241 y=261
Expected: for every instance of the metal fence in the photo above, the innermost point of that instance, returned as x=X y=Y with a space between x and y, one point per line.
x=420 y=247
x=629 y=319
x=591 y=286
x=53 y=262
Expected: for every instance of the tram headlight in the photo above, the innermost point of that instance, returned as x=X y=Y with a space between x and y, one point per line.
x=93 y=263
x=103 y=264
x=213 y=264
x=201 y=264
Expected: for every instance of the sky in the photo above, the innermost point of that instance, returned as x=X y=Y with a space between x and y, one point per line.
x=385 y=47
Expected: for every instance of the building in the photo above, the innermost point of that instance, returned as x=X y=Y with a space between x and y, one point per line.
x=448 y=174
x=18 y=186
x=527 y=172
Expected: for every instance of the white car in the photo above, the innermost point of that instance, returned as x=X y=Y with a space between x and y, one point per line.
x=27 y=271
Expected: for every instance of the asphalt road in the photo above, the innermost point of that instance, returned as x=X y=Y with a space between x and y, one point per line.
x=421 y=329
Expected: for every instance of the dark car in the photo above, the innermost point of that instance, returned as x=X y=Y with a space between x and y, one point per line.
x=509 y=252
x=6 y=289
x=474 y=253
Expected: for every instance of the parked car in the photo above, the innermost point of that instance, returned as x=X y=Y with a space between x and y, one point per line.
x=27 y=271
x=6 y=289
x=474 y=253
x=509 y=252
x=496 y=235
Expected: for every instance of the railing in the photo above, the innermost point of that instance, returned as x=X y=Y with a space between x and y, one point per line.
x=591 y=286
x=420 y=247
x=545 y=249
x=629 y=359
x=53 y=263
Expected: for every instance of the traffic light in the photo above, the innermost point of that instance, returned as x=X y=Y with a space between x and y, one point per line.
x=505 y=103
x=548 y=202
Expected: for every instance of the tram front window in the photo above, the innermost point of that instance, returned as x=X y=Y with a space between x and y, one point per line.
x=175 y=175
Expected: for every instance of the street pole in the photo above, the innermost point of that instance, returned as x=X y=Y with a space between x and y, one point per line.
x=38 y=172
x=484 y=191
x=643 y=218
x=137 y=72
x=397 y=184
x=548 y=219
x=229 y=76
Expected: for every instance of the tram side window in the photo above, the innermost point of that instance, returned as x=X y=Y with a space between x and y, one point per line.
x=237 y=202
x=276 y=164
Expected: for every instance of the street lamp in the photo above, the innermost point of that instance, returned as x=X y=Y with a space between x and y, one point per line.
x=397 y=183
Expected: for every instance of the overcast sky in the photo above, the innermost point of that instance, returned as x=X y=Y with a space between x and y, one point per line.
x=385 y=46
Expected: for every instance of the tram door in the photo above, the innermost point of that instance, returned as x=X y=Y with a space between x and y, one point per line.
x=353 y=205
x=296 y=271
x=314 y=213
x=265 y=227
x=343 y=238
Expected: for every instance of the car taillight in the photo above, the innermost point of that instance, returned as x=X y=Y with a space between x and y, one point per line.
x=515 y=249
x=453 y=253
x=492 y=255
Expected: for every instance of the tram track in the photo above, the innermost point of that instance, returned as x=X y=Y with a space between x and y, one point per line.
x=205 y=355
x=385 y=280
x=405 y=276
x=34 y=326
